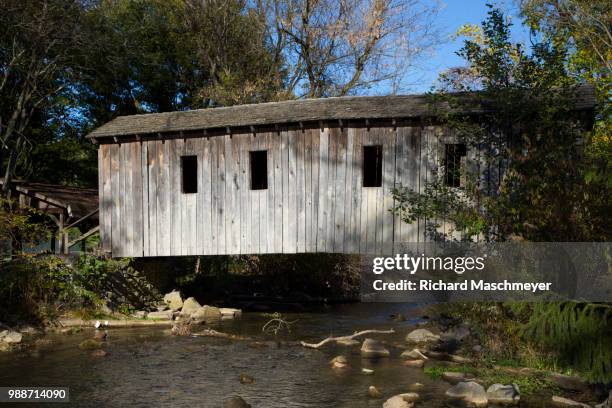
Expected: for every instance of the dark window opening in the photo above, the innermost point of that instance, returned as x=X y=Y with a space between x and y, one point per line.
x=259 y=170
x=372 y=166
x=189 y=172
x=454 y=161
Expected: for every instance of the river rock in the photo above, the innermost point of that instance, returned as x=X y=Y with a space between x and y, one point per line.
x=417 y=386
x=190 y=305
x=206 y=314
x=414 y=363
x=98 y=353
x=568 y=382
x=373 y=392
x=230 y=313
x=4 y=346
x=236 y=402
x=139 y=314
x=453 y=377
x=367 y=371
x=373 y=348
x=339 y=362
x=457 y=333
x=422 y=336
x=504 y=394
x=164 y=315
x=246 y=379
x=173 y=300
x=472 y=393
x=405 y=400
x=90 y=344
x=566 y=402
x=414 y=354
x=10 y=337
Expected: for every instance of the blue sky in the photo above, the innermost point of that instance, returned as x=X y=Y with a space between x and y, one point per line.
x=455 y=14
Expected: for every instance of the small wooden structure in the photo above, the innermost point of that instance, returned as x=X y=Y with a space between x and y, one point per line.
x=68 y=207
x=287 y=177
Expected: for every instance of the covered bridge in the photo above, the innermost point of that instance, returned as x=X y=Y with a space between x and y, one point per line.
x=284 y=177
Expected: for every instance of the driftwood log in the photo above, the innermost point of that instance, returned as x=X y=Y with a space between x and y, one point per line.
x=342 y=338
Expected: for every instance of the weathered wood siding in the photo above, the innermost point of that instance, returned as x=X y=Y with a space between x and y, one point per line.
x=315 y=201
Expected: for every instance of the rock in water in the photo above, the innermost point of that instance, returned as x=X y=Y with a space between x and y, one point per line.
x=373 y=349
x=98 y=353
x=236 y=402
x=566 y=402
x=414 y=354
x=339 y=362
x=472 y=393
x=230 y=313
x=414 y=363
x=173 y=300
x=190 y=305
x=367 y=371
x=165 y=315
x=246 y=379
x=90 y=344
x=402 y=400
x=206 y=314
x=373 y=392
x=422 y=336
x=416 y=387
x=504 y=394
x=10 y=337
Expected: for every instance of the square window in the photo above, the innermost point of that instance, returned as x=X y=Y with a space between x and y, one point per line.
x=372 y=166
x=454 y=157
x=259 y=169
x=189 y=174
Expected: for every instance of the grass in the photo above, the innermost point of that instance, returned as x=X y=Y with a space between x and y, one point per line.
x=528 y=383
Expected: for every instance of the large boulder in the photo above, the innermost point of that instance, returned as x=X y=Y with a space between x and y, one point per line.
x=173 y=300
x=471 y=393
x=568 y=382
x=190 y=305
x=422 y=336
x=373 y=348
x=504 y=394
x=453 y=377
x=402 y=400
x=10 y=337
x=206 y=314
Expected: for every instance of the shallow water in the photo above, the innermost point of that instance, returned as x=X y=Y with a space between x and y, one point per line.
x=147 y=367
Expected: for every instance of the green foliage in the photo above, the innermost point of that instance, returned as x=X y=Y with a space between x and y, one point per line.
x=580 y=333
x=22 y=225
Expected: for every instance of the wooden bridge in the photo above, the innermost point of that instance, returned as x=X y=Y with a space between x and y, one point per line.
x=288 y=177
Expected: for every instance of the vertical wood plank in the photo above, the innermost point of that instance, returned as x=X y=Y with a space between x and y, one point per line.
x=388 y=181
x=163 y=197
x=176 y=198
x=106 y=203
x=262 y=196
x=221 y=194
x=300 y=195
x=137 y=208
x=206 y=217
x=269 y=141
x=245 y=205
x=278 y=192
x=292 y=196
x=255 y=219
x=314 y=135
x=356 y=187
x=339 y=194
x=308 y=190
x=126 y=199
x=332 y=164
x=323 y=206
x=153 y=172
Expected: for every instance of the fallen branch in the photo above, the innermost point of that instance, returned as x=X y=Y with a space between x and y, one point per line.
x=218 y=334
x=342 y=338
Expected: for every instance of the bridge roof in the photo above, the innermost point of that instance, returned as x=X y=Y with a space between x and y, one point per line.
x=301 y=111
